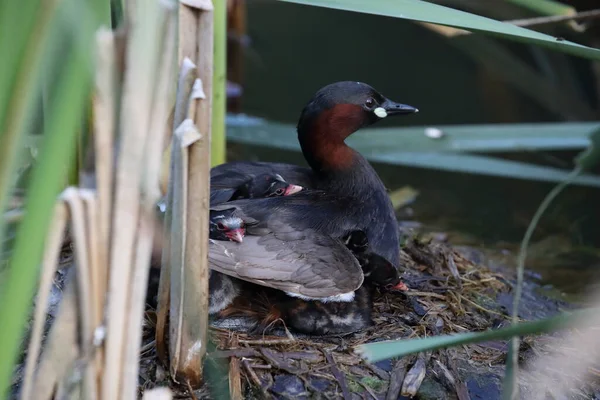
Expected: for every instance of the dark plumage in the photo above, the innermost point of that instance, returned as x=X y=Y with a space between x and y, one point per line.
x=233 y=185
x=344 y=192
x=300 y=247
x=300 y=262
x=270 y=308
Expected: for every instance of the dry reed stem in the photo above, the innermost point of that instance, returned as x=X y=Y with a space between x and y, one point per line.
x=85 y=295
x=187 y=76
x=160 y=109
x=179 y=333
x=141 y=60
x=62 y=349
x=136 y=309
x=104 y=131
x=235 y=377
x=97 y=271
x=151 y=195
x=181 y=111
x=195 y=303
x=51 y=254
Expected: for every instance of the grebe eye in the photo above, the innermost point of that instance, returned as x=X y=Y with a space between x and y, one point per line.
x=370 y=102
x=279 y=192
x=220 y=226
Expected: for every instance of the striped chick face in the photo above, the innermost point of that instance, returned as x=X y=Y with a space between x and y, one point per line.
x=272 y=185
x=226 y=226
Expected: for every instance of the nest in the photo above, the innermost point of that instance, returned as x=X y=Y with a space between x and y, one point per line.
x=448 y=293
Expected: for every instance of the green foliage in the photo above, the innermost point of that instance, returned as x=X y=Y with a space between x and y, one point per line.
x=219 y=87
x=65 y=109
x=384 y=350
x=590 y=156
x=423 y=11
x=413 y=146
x=585 y=160
x=545 y=7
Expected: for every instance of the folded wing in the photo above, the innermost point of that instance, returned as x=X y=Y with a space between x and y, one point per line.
x=304 y=263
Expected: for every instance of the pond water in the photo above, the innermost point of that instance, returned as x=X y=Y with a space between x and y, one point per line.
x=295 y=50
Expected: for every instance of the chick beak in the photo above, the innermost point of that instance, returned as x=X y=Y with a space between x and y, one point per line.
x=393 y=108
x=236 y=235
x=291 y=189
x=400 y=287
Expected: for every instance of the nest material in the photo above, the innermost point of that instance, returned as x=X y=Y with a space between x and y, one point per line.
x=447 y=293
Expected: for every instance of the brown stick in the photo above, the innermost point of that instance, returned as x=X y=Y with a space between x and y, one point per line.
x=235 y=378
x=396 y=379
x=339 y=375
x=194 y=304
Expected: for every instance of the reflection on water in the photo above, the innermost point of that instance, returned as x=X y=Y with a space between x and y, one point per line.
x=295 y=50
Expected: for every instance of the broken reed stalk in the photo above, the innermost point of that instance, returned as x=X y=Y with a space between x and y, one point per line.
x=85 y=297
x=143 y=56
x=104 y=128
x=150 y=196
x=61 y=350
x=51 y=254
x=70 y=353
x=189 y=200
x=72 y=356
x=187 y=76
x=180 y=334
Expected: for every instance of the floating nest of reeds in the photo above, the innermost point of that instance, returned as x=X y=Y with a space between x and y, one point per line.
x=450 y=291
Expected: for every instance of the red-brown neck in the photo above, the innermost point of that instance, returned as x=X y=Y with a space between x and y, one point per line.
x=322 y=138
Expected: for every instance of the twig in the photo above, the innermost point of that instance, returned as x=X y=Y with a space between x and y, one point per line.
x=589 y=14
x=235 y=378
x=234 y=353
x=414 y=377
x=424 y=294
x=339 y=376
x=191 y=390
x=384 y=375
x=254 y=377
x=267 y=342
x=277 y=361
x=368 y=389
x=480 y=307
x=396 y=379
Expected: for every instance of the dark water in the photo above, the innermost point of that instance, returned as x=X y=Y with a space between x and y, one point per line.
x=295 y=50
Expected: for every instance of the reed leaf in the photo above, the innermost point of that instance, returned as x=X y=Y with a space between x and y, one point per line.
x=452 y=138
x=47 y=178
x=546 y=7
x=142 y=59
x=422 y=148
x=384 y=350
x=427 y=12
x=219 y=98
x=22 y=43
x=587 y=159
